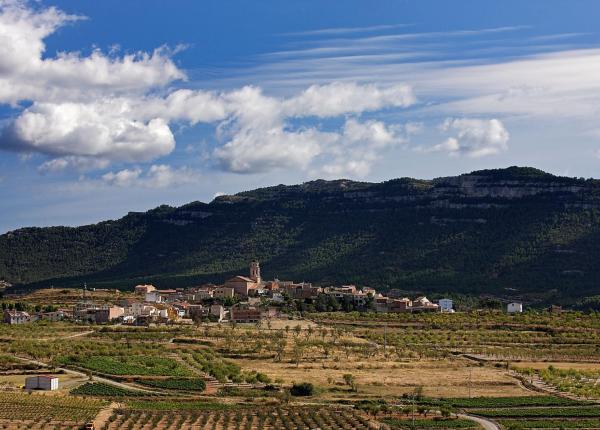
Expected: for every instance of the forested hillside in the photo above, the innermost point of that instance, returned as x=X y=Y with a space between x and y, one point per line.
x=507 y=232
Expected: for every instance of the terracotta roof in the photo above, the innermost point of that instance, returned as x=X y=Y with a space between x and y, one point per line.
x=243 y=278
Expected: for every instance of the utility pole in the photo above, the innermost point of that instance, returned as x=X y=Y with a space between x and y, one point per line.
x=470 y=379
x=414 y=397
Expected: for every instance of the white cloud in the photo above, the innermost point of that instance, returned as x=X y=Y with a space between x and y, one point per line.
x=474 y=137
x=26 y=75
x=157 y=176
x=105 y=130
x=256 y=149
x=82 y=164
x=189 y=105
x=122 y=178
x=359 y=146
x=260 y=138
x=339 y=98
x=257 y=137
x=164 y=176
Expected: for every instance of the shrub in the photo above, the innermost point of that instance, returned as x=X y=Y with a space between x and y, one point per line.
x=302 y=389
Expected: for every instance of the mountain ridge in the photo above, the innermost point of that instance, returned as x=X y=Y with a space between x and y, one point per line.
x=506 y=232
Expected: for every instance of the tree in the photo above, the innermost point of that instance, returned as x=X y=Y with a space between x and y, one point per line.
x=446 y=412
x=298 y=352
x=350 y=381
x=309 y=331
x=280 y=348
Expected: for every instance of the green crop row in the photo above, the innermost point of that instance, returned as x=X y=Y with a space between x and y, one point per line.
x=195 y=384
x=561 y=412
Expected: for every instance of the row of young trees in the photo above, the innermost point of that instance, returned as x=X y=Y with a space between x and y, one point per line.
x=27 y=307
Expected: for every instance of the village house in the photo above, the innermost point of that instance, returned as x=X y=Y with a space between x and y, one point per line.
x=153 y=297
x=223 y=293
x=54 y=316
x=203 y=294
x=241 y=285
x=108 y=314
x=16 y=317
x=446 y=305
x=382 y=303
x=243 y=313
x=303 y=290
x=422 y=304
x=514 y=308
x=213 y=312
x=142 y=309
x=144 y=289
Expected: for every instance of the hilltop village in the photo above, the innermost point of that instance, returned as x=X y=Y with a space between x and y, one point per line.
x=241 y=299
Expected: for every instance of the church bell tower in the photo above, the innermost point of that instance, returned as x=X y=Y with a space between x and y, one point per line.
x=255 y=272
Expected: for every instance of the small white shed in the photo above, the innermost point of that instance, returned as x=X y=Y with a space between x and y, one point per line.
x=514 y=308
x=41 y=382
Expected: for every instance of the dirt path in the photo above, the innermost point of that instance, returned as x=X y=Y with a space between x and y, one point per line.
x=104 y=414
x=486 y=423
x=83 y=333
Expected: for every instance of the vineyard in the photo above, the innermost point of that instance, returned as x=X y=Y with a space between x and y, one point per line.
x=22 y=411
x=582 y=383
x=550 y=424
x=194 y=384
x=227 y=376
x=100 y=389
x=532 y=336
x=139 y=365
x=300 y=418
x=423 y=424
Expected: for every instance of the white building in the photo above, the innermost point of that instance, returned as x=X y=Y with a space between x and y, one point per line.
x=153 y=297
x=141 y=309
x=16 y=317
x=446 y=305
x=277 y=298
x=218 y=312
x=41 y=382
x=514 y=308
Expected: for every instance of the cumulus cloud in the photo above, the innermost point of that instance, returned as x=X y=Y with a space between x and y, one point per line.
x=87 y=111
x=474 y=137
x=104 y=130
x=157 y=176
x=359 y=146
x=26 y=75
x=258 y=138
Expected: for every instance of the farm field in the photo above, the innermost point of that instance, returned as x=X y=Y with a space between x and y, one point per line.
x=440 y=378
x=240 y=419
x=39 y=411
x=373 y=369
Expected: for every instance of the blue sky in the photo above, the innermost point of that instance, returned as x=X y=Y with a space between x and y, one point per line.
x=116 y=106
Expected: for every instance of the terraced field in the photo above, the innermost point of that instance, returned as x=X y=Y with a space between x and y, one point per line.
x=36 y=411
x=301 y=418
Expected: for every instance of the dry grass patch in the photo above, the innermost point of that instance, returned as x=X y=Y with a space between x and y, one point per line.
x=439 y=378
